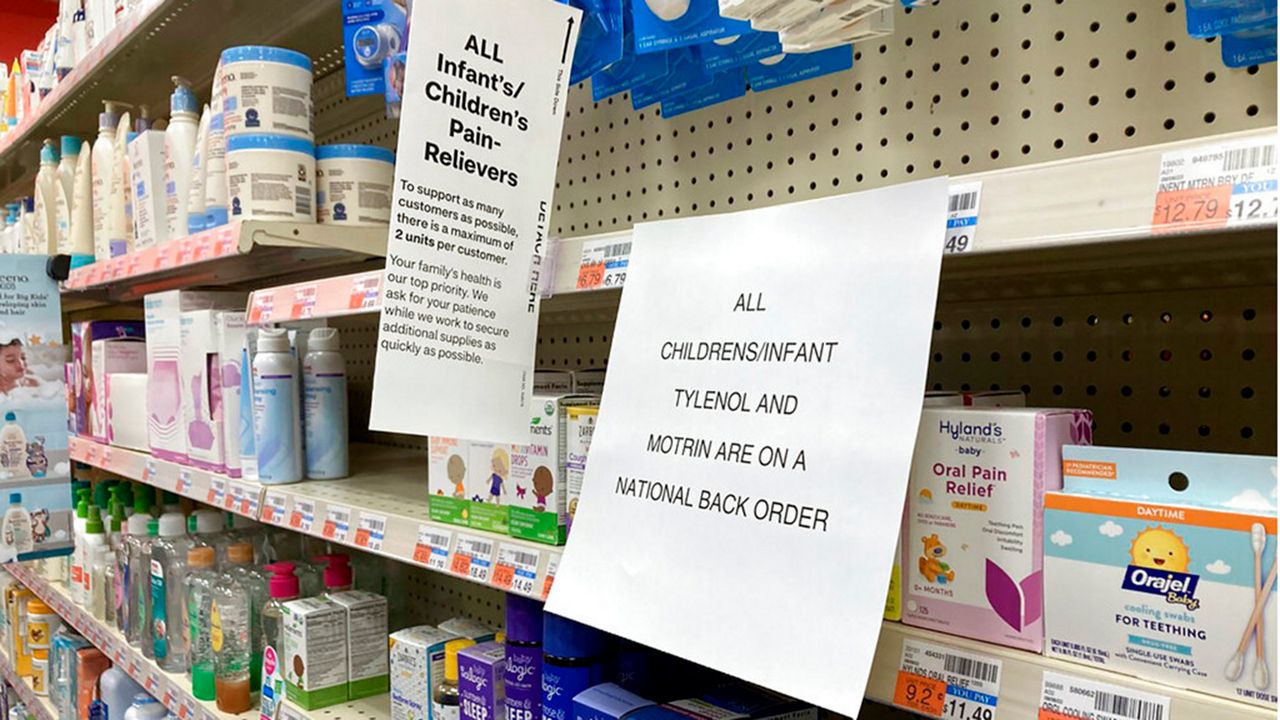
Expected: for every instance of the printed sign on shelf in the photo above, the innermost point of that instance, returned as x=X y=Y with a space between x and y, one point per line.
x=737 y=422
x=947 y=683
x=487 y=81
x=1225 y=185
x=962 y=217
x=1066 y=697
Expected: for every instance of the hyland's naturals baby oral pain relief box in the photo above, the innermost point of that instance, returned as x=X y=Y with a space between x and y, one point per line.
x=1162 y=564
x=972 y=542
x=448 y=460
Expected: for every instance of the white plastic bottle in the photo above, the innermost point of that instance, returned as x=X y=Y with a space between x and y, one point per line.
x=179 y=149
x=95 y=539
x=124 y=217
x=67 y=166
x=103 y=173
x=215 y=160
x=145 y=707
x=276 y=409
x=46 y=201
x=80 y=244
x=117 y=690
x=324 y=417
x=13 y=445
x=17 y=526
x=195 y=194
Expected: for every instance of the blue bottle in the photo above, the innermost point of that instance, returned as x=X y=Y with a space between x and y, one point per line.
x=572 y=661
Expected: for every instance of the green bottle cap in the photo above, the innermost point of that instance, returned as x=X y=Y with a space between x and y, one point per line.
x=153 y=528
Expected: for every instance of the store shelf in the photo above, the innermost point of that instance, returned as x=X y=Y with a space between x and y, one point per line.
x=1022 y=673
x=171 y=689
x=239 y=252
x=382 y=509
x=164 y=38
x=325 y=298
x=38 y=705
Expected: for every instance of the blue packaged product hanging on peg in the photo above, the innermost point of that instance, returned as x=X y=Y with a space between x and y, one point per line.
x=787 y=69
x=739 y=50
x=373 y=31
x=1211 y=18
x=725 y=86
x=1249 y=47
x=599 y=38
x=667 y=24
x=632 y=70
x=685 y=72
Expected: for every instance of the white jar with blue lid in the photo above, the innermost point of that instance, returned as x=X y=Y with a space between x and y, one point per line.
x=271 y=177
x=266 y=90
x=353 y=185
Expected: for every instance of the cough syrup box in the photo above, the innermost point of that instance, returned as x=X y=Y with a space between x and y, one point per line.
x=972 y=542
x=1162 y=564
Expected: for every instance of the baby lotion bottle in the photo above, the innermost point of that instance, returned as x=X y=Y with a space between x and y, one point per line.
x=523 y=673
x=78 y=552
x=201 y=580
x=324 y=417
x=179 y=152
x=444 y=696
x=17 y=526
x=195 y=191
x=276 y=405
x=67 y=166
x=571 y=663
x=95 y=538
x=104 y=174
x=47 y=185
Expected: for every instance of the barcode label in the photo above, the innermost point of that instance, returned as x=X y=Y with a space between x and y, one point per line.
x=303 y=515
x=617 y=249
x=274 y=512
x=432 y=548
x=1079 y=697
x=970 y=667
x=371 y=532
x=473 y=558
x=517 y=569
x=337 y=524
x=525 y=558
x=303 y=200
x=1247 y=158
x=1126 y=706
x=603 y=263
x=963 y=201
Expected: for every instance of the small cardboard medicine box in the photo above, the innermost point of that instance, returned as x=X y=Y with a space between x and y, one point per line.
x=539 y=495
x=1162 y=564
x=417 y=666
x=315 y=653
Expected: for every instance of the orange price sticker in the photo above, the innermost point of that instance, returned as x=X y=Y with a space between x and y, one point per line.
x=421 y=553
x=362 y=537
x=503 y=575
x=546 y=585
x=919 y=693
x=246 y=506
x=460 y=564
x=1193 y=208
x=1047 y=714
x=295 y=520
x=590 y=276
x=330 y=529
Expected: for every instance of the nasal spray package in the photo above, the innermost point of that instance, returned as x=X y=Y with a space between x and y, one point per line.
x=971 y=545
x=1162 y=564
x=599 y=39
x=667 y=24
x=373 y=32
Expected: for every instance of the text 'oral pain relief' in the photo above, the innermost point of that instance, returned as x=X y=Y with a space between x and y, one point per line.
x=1162 y=564
x=971 y=544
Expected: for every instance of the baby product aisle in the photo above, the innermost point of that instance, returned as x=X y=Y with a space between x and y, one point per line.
x=173 y=691
x=38 y=705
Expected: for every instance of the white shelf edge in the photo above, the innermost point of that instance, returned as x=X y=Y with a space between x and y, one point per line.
x=400 y=474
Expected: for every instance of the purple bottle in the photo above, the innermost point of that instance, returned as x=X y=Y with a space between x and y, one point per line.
x=523 y=673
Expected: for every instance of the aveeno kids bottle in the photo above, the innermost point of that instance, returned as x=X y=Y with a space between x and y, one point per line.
x=324 y=393
x=276 y=409
x=13 y=445
x=17 y=526
x=179 y=152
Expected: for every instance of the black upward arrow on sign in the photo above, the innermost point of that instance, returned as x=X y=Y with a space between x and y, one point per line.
x=564 y=53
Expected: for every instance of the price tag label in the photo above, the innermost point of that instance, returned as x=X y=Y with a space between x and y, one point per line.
x=337 y=523
x=1066 y=696
x=184 y=485
x=365 y=292
x=603 y=263
x=304 y=302
x=1227 y=185
x=217 y=492
x=106 y=457
x=516 y=570
x=134 y=668
x=167 y=700
x=478 y=554
x=553 y=564
x=969 y=683
x=164 y=256
x=303 y=515
x=187 y=709
x=135 y=265
x=274 y=511
x=187 y=250
x=227 y=238
x=231 y=498
x=246 y=499
x=149 y=471
x=962 y=217
x=264 y=304
x=91 y=454
x=432 y=548
x=371 y=531
x=151 y=683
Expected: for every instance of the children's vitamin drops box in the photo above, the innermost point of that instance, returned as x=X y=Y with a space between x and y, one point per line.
x=1162 y=564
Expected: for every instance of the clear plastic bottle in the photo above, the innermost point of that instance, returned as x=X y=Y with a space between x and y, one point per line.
x=244 y=529
x=255 y=582
x=209 y=527
x=201 y=579
x=229 y=626
x=168 y=611
x=135 y=537
x=310 y=578
x=337 y=573
x=140 y=583
x=282 y=587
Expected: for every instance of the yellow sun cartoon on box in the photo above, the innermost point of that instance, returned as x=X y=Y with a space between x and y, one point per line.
x=1161 y=549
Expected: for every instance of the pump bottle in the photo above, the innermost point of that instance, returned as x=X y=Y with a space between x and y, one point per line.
x=104 y=182
x=179 y=150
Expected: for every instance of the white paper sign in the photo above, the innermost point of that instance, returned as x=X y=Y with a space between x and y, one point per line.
x=756 y=432
x=485 y=86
